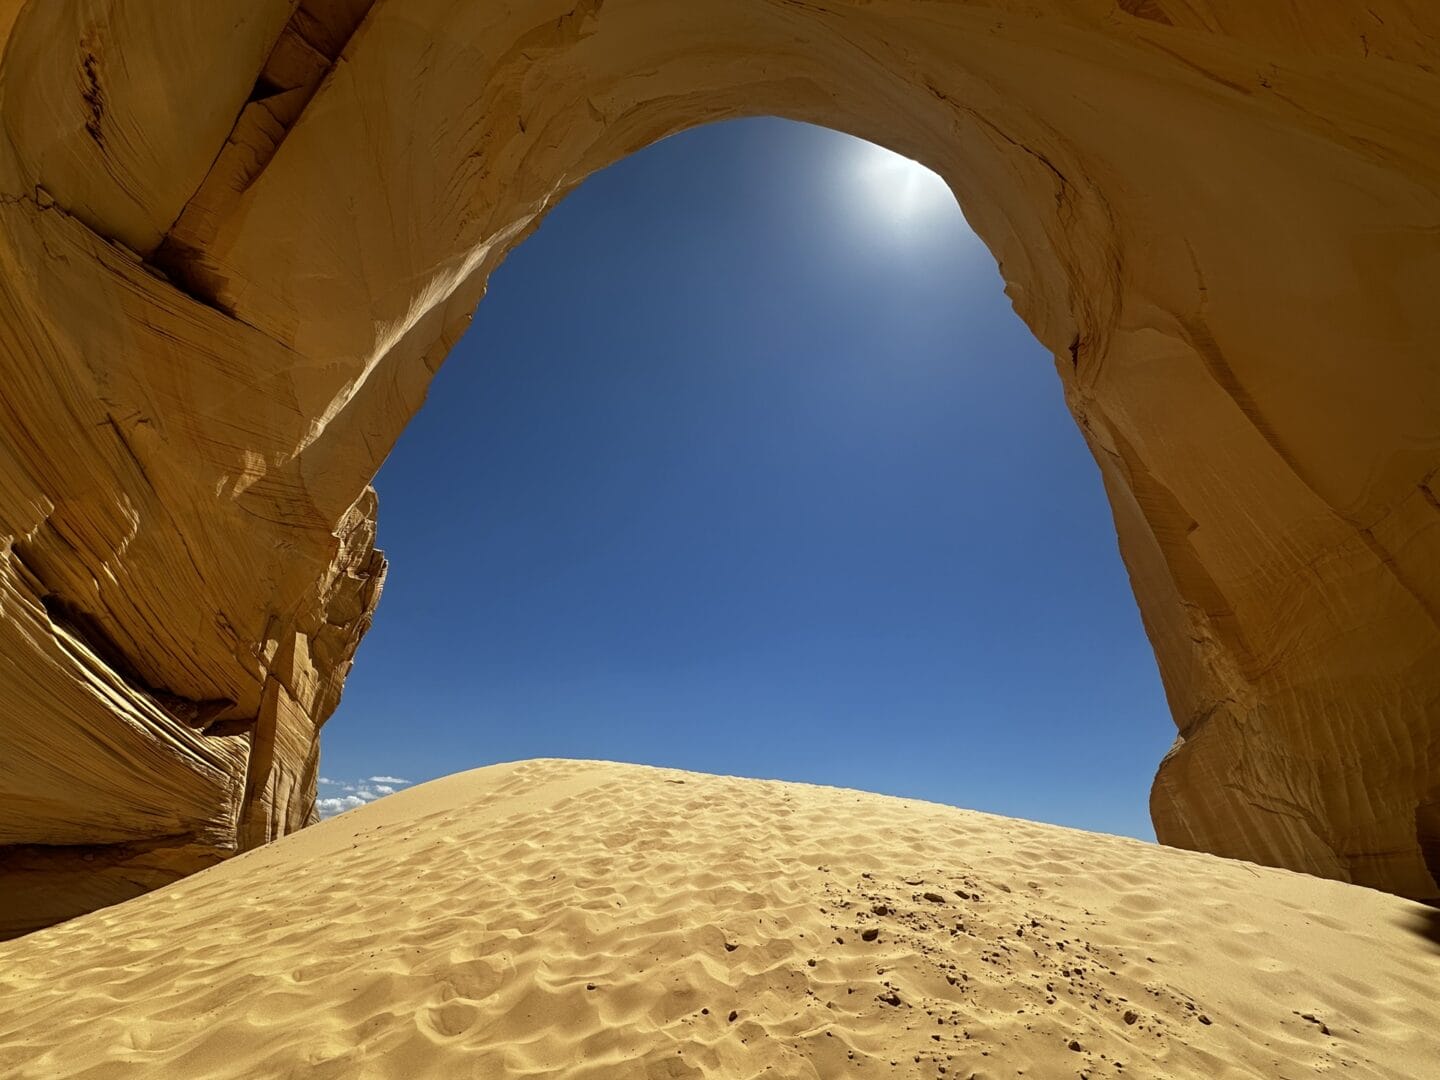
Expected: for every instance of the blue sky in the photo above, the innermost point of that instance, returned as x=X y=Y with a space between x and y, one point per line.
x=747 y=466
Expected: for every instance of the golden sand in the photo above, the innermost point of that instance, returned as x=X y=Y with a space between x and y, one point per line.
x=583 y=919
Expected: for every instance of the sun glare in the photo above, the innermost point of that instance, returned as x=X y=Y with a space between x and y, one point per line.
x=906 y=193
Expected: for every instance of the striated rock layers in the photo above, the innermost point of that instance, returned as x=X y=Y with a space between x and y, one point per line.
x=238 y=238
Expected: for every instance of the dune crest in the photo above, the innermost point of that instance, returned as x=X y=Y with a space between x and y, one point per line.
x=586 y=919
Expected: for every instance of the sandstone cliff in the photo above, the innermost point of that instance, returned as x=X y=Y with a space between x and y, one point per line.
x=237 y=238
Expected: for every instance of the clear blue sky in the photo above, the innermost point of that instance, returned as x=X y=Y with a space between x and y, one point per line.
x=747 y=466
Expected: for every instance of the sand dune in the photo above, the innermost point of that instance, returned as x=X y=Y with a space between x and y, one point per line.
x=581 y=919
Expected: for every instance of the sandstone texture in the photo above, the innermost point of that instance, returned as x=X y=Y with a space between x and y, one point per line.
x=238 y=237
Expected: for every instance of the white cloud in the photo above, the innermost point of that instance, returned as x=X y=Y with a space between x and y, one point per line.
x=331 y=807
x=357 y=793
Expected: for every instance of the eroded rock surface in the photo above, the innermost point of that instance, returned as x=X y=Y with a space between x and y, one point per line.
x=237 y=238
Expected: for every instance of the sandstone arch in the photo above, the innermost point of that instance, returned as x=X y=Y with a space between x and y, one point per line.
x=238 y=237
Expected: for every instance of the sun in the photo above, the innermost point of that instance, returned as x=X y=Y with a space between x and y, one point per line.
x=904 y=192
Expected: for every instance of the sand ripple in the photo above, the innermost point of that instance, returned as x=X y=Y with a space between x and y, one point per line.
x=588 y=920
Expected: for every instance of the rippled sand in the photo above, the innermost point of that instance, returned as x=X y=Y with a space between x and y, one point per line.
x=585 y=919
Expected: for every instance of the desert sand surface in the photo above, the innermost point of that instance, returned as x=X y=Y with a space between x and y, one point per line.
x=587 y=919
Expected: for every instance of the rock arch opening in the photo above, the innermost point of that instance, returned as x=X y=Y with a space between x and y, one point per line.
x=780 y=487
x=237 y=241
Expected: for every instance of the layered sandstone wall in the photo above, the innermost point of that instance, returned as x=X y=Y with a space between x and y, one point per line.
x=237 y=238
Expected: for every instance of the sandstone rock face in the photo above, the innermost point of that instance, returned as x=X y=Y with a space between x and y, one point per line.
x=239 y=237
